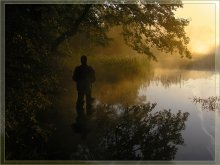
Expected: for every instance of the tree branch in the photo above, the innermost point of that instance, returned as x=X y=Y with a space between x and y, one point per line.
x=72 y=31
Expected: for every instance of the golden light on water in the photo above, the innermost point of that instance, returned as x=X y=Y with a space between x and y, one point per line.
x=202 y=27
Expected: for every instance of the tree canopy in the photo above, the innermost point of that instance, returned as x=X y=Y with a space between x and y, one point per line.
x=144 y=26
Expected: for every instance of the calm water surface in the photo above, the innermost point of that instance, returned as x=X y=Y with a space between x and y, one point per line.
x=169 y=89
x=174 y=90
x=177 y=94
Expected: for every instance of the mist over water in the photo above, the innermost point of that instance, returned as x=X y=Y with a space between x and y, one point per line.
x=125 y=78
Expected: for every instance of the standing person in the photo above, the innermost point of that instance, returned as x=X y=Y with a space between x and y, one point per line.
x=84 y=76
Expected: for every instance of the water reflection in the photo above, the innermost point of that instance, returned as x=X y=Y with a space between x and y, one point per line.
x=171 y=89
x=167 y=78
x=210 y=104
x=117 y=132
x=201 y=124
x=126 y=91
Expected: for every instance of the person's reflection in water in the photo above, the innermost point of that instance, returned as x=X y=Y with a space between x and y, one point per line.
x=84 y=76
x=81 y=126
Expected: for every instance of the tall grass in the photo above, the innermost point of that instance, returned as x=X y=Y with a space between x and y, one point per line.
x=119 y=68
x=115 y=68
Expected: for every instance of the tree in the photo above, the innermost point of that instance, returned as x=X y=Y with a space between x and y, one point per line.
x=30 y=83
x=144 y=26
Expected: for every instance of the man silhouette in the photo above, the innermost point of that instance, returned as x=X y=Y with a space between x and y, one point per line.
x=84 y=76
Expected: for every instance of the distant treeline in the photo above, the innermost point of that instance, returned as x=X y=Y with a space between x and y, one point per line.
x=206 y=62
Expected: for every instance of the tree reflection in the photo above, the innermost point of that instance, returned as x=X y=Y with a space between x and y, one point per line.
x=117 y=132
x=210 y=104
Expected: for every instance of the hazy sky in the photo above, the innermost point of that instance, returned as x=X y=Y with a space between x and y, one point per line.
x=201 y=29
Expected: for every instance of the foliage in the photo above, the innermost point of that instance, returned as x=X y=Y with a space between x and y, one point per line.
x=117 y=132
x=210 y=104
x=144 y=26
x=30 y=84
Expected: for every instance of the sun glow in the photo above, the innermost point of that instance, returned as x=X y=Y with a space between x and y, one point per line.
x=202 y=27
x=200 y=48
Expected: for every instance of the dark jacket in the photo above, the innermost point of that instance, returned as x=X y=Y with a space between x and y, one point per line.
x=84 y=75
